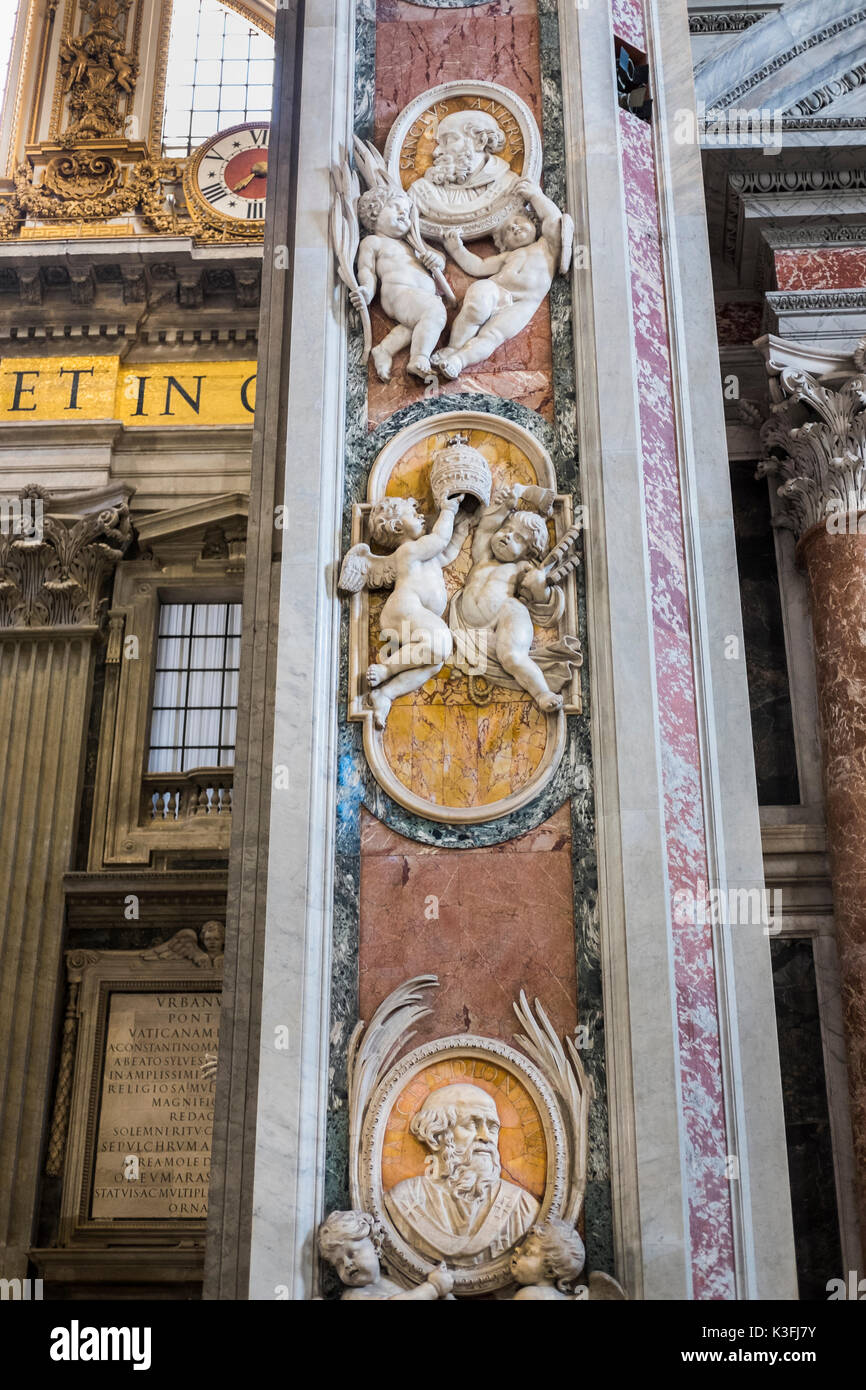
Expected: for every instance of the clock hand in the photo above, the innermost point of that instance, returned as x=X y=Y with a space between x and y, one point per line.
x=258 y=171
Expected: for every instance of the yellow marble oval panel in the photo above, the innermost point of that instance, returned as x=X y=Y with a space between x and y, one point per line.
x=460 y=744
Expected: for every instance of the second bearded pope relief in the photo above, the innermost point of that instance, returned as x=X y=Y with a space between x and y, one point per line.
x=463 y=658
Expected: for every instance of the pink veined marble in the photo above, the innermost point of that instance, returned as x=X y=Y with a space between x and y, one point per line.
x=827 y=268
x=628 y=21
x=710 y=1223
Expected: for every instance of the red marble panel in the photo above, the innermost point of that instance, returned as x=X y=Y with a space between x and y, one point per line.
x=505 y=923
x=827 y=268
x=417 y=48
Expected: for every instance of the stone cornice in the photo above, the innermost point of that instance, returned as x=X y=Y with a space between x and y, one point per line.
x=760 y=182
x=842 y=24
x=727 y=21
x=829 y=92
x=74 y=290
x=823 y=301
x=835 y=234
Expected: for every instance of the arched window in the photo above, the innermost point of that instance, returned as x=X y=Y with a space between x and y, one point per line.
x=220 y=73
x=8 y=16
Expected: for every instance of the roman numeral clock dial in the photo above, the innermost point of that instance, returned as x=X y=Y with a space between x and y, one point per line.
x=227 y=178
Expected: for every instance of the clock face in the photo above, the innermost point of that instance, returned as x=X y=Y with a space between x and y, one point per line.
x=230 y=173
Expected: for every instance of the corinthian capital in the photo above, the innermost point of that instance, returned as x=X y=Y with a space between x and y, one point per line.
x=55 y=553
x=815 y=442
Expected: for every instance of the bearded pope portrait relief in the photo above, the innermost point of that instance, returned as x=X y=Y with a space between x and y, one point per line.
x=461 y=1209
x=460 y=150
x=468 y=172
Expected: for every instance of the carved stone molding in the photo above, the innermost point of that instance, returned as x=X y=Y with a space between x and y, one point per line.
x=727 y=21
x=827 y=301
x=829 y=92
x=841 y=233
x=829 y=31
x=52 y=567
x=821 y=460
x=760 y=181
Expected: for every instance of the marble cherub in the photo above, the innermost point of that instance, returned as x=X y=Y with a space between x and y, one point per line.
x=510 y=286
x=416 y=640
x=351 y=1241
x=492 y=617
x=393 y=258
x=407 y=291
x=548 y=1263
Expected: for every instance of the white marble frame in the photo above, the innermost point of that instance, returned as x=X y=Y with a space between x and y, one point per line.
x=359 y=658
x=489 y=91
x=292 y=1083
x=398 y=1254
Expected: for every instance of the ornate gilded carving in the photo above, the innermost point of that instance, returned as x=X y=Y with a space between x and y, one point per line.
x=81 y=174
x=51 y=573
x=98 y=72
x=91 y=172
x=86 y=186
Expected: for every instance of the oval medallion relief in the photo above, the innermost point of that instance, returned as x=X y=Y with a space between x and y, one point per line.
x=462 y=658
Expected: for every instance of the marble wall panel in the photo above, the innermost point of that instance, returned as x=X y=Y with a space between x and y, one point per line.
x=628 y=21
x=738 y=322
x=489 y=922
x=830 y=268
x=521 y=383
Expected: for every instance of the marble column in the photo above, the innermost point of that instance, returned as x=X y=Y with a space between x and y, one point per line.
x=53 y=564
x=817 y=445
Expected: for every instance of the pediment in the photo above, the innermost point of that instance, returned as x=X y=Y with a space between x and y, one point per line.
x=212 y=529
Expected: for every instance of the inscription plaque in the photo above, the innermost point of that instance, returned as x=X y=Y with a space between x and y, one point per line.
x=153 y=1140
x=132 y=1133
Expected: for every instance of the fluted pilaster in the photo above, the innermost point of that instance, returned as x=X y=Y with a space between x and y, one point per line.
x=54 y=565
